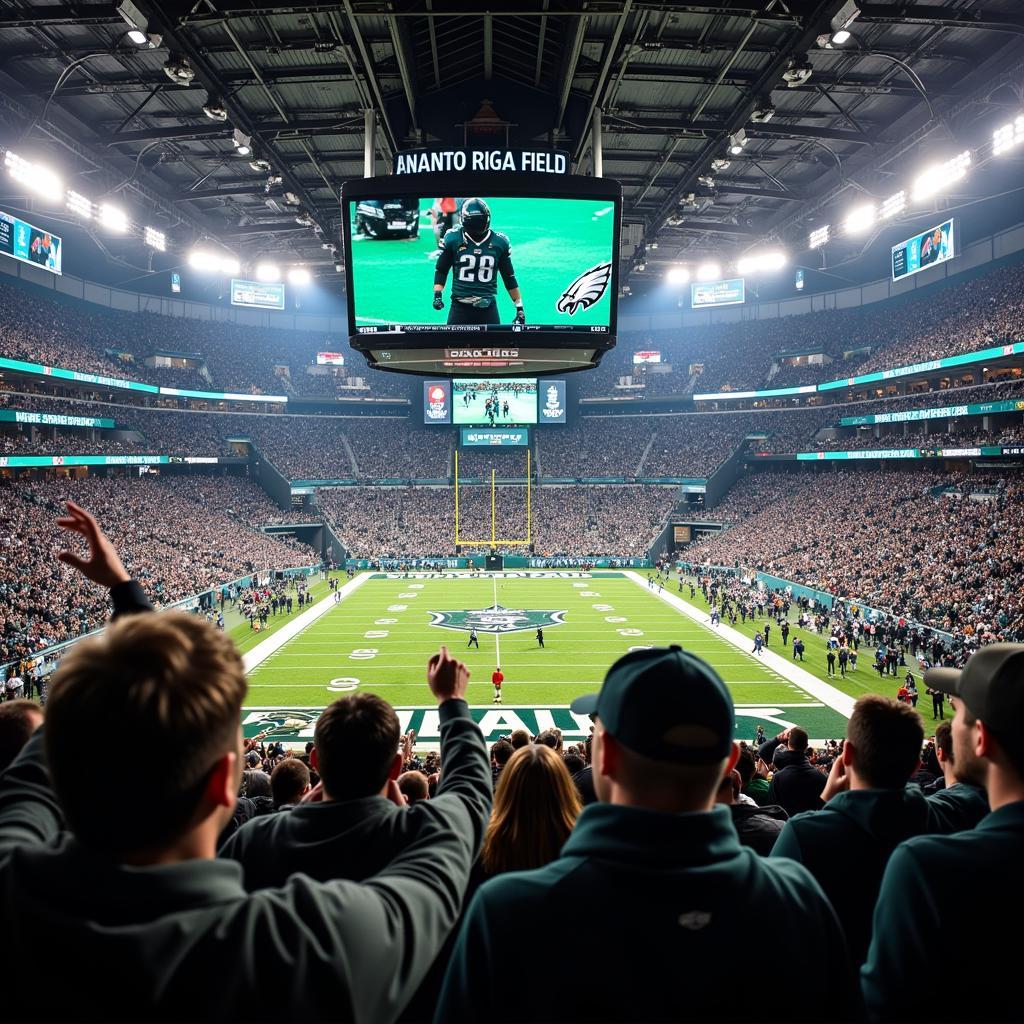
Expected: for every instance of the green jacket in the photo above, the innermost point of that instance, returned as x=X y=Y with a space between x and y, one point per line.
x=948 y=911
x=667 y=898
x=847 y=844
x=186 y=942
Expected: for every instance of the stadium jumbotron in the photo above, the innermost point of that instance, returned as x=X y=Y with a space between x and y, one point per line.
x=475 y=469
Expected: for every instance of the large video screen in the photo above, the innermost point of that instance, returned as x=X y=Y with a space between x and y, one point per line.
x=29 y=244
x=492 y=402
x=717 y=293
x=936 y=245
x=458 y=264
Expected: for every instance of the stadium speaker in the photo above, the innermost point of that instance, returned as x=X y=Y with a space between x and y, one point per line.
x=495 y=563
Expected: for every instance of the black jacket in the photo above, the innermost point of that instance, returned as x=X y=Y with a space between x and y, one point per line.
x=758 y=827
x=797 y=787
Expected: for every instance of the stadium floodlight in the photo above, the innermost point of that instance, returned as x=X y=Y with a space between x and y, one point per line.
x=79 y=205
x=215 y=109
x=178 y=69
x=860 y=219
x=201 y=259
x=677 y=275
x=243 y=143
x=844 y=18
x=720 y=164
x=709 y=272
x=298 y=275
x=39 y=179
x=155 y=239
x=1010 y=135
x=763 y=262
x=268 y=272
x=136 y=21
x=113 y=218
x=230 y=266
x=737 y=141
x=818 y=237
x=939 y=177
x=893 y=206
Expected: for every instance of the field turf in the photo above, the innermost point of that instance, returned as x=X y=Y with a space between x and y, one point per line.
x=379 y=638
x=553 y=242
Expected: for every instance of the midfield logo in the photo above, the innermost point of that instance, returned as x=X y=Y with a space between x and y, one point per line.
x=497 y=620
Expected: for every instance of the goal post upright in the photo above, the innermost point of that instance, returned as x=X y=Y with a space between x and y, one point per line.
x=494 y=540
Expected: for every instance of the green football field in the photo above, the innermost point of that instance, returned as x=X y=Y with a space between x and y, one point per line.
x=553 y=242
x=378 y=639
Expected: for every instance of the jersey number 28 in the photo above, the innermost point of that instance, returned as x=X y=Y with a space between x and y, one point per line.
x=473 y=269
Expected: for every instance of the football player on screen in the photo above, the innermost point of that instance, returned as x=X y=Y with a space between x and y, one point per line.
x=476 y=255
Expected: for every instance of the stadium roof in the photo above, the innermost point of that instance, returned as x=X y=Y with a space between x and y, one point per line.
x=673 y=82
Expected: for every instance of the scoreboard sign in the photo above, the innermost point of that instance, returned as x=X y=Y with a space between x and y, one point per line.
x=256 y=294
x=717 y=293
x=423 y=161
x=473 y=437
x=28 y=244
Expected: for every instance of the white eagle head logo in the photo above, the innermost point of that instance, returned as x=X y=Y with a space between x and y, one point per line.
x=585 y=290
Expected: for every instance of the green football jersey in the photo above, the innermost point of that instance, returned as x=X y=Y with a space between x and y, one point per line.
x=475 y=266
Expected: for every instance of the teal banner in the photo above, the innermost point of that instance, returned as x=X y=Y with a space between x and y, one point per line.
x=942 y=412
x=38 y=461
x=20 y=366
x=53 y=419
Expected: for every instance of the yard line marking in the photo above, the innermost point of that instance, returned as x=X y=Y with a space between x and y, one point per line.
x=263 y=650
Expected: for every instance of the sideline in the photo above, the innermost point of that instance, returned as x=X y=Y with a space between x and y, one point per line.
x=265 y=648
x=819 y=690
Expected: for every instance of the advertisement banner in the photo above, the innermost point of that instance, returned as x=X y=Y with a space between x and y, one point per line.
x=256 y=294
x=551 y=400
x=437 y=401
x=330 y=359
x=473 y=437
x=717 y=293
x=646 y=357
x=53 y=419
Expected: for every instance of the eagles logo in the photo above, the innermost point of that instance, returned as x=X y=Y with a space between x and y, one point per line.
x=497 y=619
x=286 y=724
x=585 y=290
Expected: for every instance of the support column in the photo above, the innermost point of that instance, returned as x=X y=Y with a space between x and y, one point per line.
x=369 y=143
x=596 y=147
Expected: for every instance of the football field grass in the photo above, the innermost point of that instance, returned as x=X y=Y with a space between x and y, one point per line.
x=394 y=278
x=378 y=639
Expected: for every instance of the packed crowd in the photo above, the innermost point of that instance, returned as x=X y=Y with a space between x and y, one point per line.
x=352 y=872
x=175 y=534
x=946 y=553
x=420 y=521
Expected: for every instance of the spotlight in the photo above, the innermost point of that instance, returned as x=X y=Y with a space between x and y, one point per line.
x=798 y=71
x=79 y=204
x=199 y=259
x=113 y=218
x=818 y=237
x=242 y=142
x=764 y=262
x=178 y=69
x=138 y=37
x=230 y=266
x=1008 y=136
x=893 y=206
x=860 y=219
x=763 y=112
x=677 y=275
x=303 y=218
x=260 y=165
x=709 y=272
x=155 y=239
x=298 y=275
x=268 y=272
x=36 y=177
x=737 y=141
x=215 y=109
x=844 y=18
x=720 y=164
x=135 y=20
x=840 y=37
x=939 y=177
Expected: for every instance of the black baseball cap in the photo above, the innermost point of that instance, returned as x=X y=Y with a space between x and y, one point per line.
x=665 y=704
x=991 y=684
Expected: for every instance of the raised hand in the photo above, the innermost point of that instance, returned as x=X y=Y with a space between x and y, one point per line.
x=447 y=677
x=103 y=566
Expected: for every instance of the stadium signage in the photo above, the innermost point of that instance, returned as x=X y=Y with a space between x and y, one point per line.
x=979 y=409
x=28 y=244
x=12 y=461
x=498 y=438
x=222 y=396
x=52 y=419
x=717 y=293
x=423 y=161
x=256 y=294
x=437 y=401
x=553 y=409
